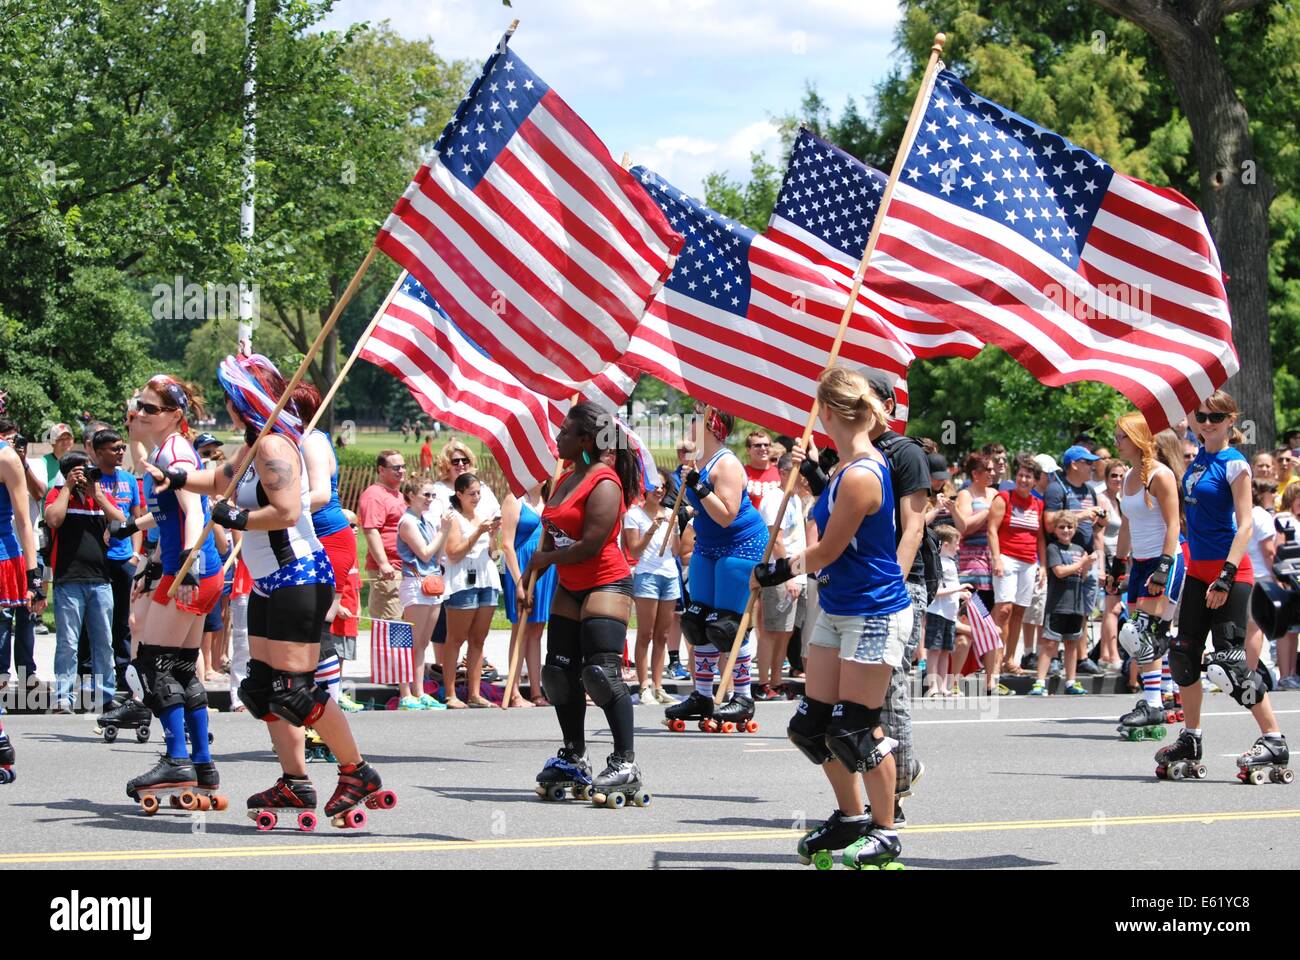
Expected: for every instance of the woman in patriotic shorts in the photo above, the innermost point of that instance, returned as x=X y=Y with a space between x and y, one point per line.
x=730 y=537
x=293 y=589
x=1216 y=594
x=163 y=674
x=1149 y=535
x=587 y=632
x=20 y=579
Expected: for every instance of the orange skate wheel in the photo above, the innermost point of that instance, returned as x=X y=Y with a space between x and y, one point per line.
x=220 y=803
x=149 y=805
x=189 y=801
x=205 y=802
x=728 y=726
x=751 y=726
x=677 y=726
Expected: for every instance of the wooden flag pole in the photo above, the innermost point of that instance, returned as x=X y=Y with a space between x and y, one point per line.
x=918 y=111
x=681 y=486
x=289 y=387
x=230 y=560
x=521 y=619
x=356 y=352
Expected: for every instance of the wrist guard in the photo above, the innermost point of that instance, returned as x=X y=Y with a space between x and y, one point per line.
x=229 y=516
x=1226 y=577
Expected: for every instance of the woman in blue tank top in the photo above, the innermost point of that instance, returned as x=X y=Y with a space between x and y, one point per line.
x=859 y=638
x=521 y=533
x=730 y=537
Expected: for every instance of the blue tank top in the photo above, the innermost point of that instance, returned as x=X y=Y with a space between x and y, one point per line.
x=413 y=566
x=711 y=535
x=329 y=518
x=528 y=531
x=1207 y=498
x=9 y=547
x=864 y=580
x=165 y=507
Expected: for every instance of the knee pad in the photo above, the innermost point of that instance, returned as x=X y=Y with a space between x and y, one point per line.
x=851 y=737
x=297 y=698
x=255 y=690
x=169 y=689
x=720 y=629
x=1145 y=638
x=186 y=673
x=602 y=678
x=693 y=624
x=141 y=673
x=807 y=729
x=1185 y=670
x=602 y=635
x=1228 y=670
x=560 y=681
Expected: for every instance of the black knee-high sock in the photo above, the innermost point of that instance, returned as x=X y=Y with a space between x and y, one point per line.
x=619 y=716
x=572 y=717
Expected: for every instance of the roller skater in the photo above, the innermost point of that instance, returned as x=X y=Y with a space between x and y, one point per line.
x=619 y=782
x=698 y=706
x=128 y=714
x=1266 y=760
x=865 y=622
x=587 y=629
x=7 y=774
x=292 y=793
x=838 y=832
x=359 y=784
x=569 y=770
x=878 y=850
x=1181 y=760
x=1143 y=722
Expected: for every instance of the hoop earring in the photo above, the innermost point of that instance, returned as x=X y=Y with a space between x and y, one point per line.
x=586 y=458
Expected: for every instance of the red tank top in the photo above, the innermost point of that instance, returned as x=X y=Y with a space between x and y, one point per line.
x=1018 y=534
x=564 y=522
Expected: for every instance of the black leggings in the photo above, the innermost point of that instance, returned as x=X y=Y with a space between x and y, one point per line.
x=596 y=639
x=1196 y=621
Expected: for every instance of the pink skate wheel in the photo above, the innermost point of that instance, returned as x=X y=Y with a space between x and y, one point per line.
x=384 y=801
x=355 y=818
x=307 y=821
x=266 y=821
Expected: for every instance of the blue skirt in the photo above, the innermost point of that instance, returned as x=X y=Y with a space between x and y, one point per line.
x=545 y=589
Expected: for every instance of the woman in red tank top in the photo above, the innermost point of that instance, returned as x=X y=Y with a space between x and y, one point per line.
x=587 y=631
x=1015 y=529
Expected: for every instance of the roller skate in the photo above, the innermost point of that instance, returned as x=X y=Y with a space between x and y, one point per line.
x=817 y=846
x=736 y=714
x=359 y=784
x=567 y=770
x=1143 y=722
x=173 y=779
x=876 y=851
x=7 y=774
x=203 y=797
x=289 y=793
x=317 y=749
x=1181 y=760
x=697 y=706
x=128 y=714
x=1266 y=760
x=1173 y=705
x=618 y=783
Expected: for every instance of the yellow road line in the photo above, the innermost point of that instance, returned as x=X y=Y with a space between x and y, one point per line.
x=307 y=848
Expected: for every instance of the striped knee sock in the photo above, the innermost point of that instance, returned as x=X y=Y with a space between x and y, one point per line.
x=706 y=669
x=1166 y=678
x=740 y=677
x=1151 y=686
x=329 y=674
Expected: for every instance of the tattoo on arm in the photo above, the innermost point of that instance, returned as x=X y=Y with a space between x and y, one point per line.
x=276 y=474
x=228 y=470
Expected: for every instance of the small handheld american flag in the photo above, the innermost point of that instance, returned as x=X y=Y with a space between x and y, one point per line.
x=985 y=635
x=392 y=644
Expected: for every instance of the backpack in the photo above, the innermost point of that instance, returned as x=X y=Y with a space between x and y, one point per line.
x=928 y=550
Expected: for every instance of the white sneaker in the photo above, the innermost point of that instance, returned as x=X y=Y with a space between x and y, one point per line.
x=663 y=696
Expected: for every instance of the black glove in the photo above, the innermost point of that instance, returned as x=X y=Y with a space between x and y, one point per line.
x=692 y=481
x=1161 y=577
x=1116 y=574
x=191 y=578
x=771 y=574
x=817 y=479
x=230 y=516
x=176 y=478
x=1226 y=577
x=150 y=573
x=122 y=529
x=34 y=585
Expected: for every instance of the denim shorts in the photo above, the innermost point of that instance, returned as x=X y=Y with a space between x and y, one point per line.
x=473 y=597
x=869 y=640
x=656 y=586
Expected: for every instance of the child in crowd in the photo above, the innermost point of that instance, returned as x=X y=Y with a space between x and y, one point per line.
x=941 y=615
x=1066 y=604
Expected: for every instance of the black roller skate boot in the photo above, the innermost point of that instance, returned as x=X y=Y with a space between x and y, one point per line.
x=619 y=782
x=1143 y=722
x=878 y=850
x=294 y=794
x=7 y=774
x=171 y=778
x=817 y=846
x=1266 y=760
x=736 y=714
x=1181 y=760
x=695 y=707
x=359 y=784
x=125 y=714
x=569 y=770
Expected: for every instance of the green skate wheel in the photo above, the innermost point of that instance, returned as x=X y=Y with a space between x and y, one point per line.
x=895 y=865
x=823 y=860
x=1136 y=735
x=1157 y=733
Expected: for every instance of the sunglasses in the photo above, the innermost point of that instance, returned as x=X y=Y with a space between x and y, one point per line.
x=1117 y=476
x=151 y=408
x=395 y=466
x=1211 y=417
x=760 y=446
x=427 y=496
x=460 y=461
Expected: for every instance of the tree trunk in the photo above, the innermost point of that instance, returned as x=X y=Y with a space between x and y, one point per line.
x=1235 y=193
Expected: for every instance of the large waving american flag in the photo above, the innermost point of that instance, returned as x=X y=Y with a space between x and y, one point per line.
x=457 y=383
x=1012 y=233
x=746 y=324
x=534 y=240
x=828 y=202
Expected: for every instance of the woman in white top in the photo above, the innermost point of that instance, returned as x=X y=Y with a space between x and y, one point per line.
x=779 y=605
x=1285 y=524
x=655 y=586
x=1109 y=497
x=473 y=587
x=419 y=543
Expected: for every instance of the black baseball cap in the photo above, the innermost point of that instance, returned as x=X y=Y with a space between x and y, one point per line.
x=938 y=467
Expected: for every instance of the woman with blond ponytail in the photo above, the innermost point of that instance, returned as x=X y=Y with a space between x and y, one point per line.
x=1149 y=531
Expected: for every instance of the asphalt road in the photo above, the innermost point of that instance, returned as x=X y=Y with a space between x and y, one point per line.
x=1012 y=783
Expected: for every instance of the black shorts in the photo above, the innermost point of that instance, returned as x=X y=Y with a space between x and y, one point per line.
x=1063 y=626
x=290 y=614
x=623 y=586
x=1226 y=626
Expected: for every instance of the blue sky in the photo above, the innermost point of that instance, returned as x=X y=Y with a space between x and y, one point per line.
x=685 y=86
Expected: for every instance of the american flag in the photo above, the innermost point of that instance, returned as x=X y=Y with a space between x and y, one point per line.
x=747 y=324
x=827 y=205
x=391 y=646
x=534 y=240
x=985 y=635
x=1025 y=240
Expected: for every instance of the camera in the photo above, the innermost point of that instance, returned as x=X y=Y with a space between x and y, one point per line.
x=94 y=474
x=19 y=443
x=1275 y=605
